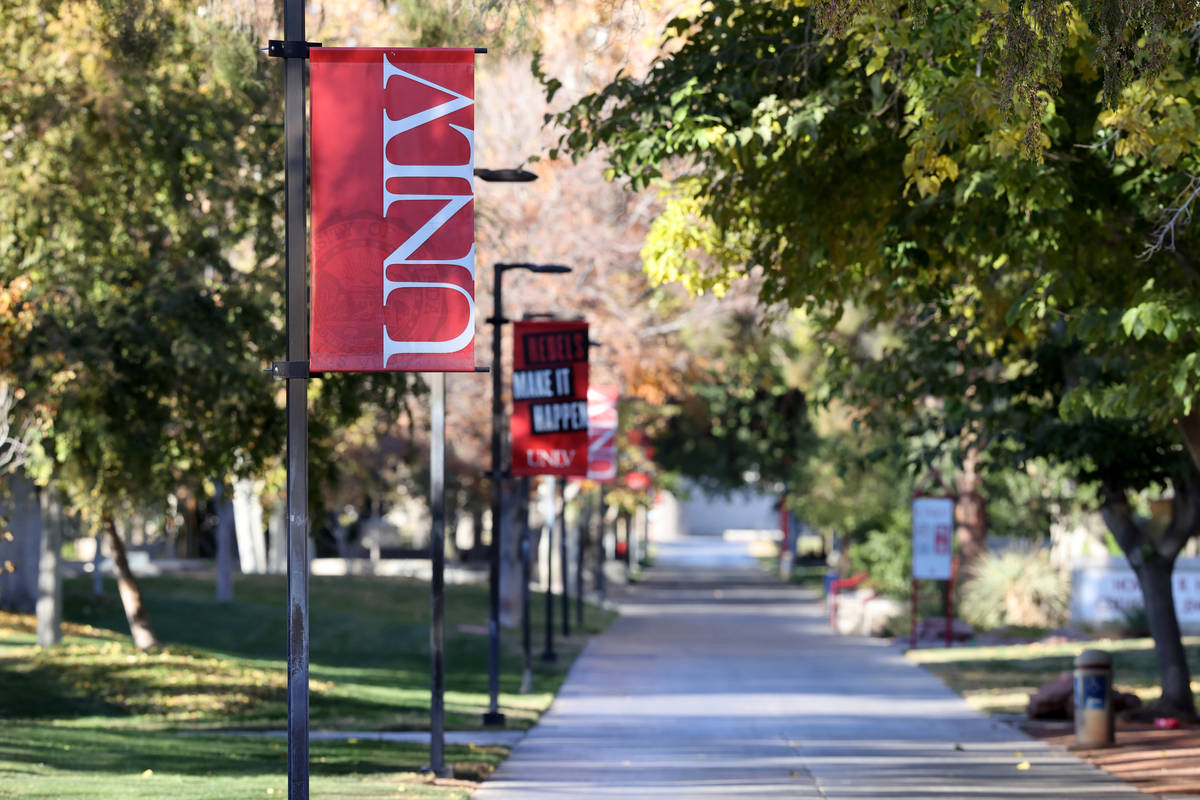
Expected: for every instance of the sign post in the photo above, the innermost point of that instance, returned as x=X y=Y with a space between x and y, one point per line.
x=437 y=581
x=295 y=371
x=602 y=462
x=493 y=716
x=932 y=551
x=393 y=257
x=547 y=495
x=549 y=421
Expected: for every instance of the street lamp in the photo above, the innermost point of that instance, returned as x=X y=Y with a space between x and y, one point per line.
x=505 y=175
x=497 y=320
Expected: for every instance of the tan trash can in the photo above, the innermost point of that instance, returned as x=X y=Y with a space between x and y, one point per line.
x=1093 y=699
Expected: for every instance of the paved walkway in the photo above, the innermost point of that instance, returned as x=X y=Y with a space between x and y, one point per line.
x=717 y=682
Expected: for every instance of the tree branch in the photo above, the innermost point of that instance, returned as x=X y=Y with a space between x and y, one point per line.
x=1118 y=516
x=1163 y=237
x=14 y=449
x=1185 y=515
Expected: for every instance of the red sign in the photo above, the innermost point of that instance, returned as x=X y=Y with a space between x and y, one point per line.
x=393 y=216
x=602 y=433
x=550 y=390
x=638 y=481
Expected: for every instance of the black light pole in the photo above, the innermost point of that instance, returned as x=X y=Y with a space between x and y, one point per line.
x=602 y=550
x=493 y=715
x=294 y=51
x=497 y=320
x=581 y=542
x=437 y=556
x=526 y=608
x=563 y=564
x=550 y=513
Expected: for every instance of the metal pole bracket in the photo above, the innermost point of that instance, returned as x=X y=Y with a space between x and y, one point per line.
x=290 y=369
x=277 y=48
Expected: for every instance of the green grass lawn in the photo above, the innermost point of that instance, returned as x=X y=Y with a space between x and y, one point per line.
x=96 y=718
x=999 y=680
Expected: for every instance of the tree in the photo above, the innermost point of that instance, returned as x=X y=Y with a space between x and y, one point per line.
x=892 y=167
x=136 y=163
x=740 y=423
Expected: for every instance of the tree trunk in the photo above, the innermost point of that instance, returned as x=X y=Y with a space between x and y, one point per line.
x=510 y=552
x=19 y=551
x=277 y=540
x=97 y=560
x=1154 y=575
x=970 y=512
x=476 y=530
x=224 y=534
x=131 y=594
x=191 y=524
x=1153 y=564
x=49 y=599
x=248 y=525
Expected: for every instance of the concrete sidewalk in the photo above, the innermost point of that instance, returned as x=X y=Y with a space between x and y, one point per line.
x=718 y=682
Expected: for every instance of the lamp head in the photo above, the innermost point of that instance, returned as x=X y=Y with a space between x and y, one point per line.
x=505 y=175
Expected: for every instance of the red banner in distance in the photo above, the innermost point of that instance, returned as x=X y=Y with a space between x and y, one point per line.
x=602 y=433
x=550 y=388
x=393 y=225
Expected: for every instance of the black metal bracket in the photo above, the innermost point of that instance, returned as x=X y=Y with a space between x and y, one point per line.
x=479 y=368
x=493 y=321
x=289 y=49
x=289 y=369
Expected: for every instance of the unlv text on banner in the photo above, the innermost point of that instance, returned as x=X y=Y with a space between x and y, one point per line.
x=393 y=285
x=602 y=433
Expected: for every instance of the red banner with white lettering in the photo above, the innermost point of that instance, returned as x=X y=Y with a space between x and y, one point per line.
x=393 y=216
x=550 y=389
x=602 y=433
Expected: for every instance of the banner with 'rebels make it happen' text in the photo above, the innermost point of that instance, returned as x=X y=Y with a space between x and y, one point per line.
x=393 y=226
x=550 y=389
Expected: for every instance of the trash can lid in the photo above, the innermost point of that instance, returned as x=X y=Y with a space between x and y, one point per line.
x=1094 y=658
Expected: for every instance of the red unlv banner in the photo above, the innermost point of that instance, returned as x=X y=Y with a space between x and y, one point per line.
x=393 y=225
x=550 y=389
x=602 y=433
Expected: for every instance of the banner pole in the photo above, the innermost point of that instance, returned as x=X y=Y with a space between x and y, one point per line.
x=493 y=716
x=296 y=245
x=564 y=563
x=582 y=536
x=602 y=549
x=437 y=584
x=548 y=526
x=526 y=599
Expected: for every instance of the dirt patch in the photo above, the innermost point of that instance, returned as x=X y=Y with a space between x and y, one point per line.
x=1164 y=763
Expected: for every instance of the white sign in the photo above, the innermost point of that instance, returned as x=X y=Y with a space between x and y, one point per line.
x=933 y=536
x=1105 y=590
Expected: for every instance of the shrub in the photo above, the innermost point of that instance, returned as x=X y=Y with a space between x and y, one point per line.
x=1016 y=587
x=1135 y=621
x=886 y=554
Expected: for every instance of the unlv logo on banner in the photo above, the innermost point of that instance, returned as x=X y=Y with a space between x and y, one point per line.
x=393 y=227
x=550 y=390
x=602 y=433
